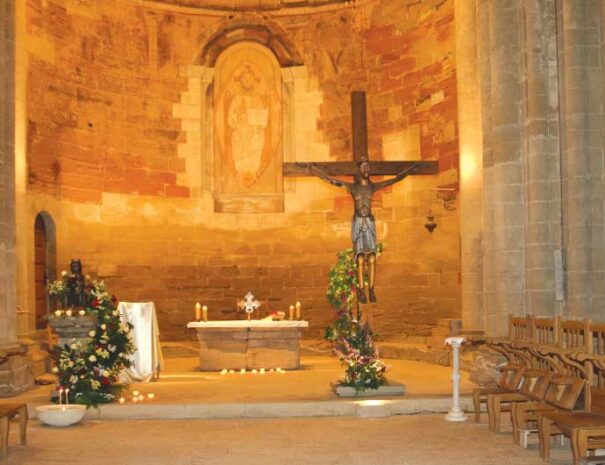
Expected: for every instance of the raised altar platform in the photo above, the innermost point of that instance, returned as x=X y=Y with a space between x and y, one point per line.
x=249 y=344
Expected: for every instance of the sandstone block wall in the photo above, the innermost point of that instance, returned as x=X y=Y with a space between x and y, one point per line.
x=115 y=156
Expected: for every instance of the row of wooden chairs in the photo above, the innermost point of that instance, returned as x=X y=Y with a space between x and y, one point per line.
x=553 y=384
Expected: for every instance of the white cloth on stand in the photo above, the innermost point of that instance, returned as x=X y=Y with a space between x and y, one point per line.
x=147 y=358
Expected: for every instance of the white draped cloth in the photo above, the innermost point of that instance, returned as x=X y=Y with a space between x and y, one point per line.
x=147 y=358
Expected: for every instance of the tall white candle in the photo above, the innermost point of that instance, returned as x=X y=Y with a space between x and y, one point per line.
x=298 y=311
x=66 y=396
x=198 y=312
x=205 y=313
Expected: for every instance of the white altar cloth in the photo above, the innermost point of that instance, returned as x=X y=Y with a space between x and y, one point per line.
x=147 y=358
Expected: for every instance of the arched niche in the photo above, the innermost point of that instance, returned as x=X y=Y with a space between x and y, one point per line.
x=45 y=265
x=247 y=106
x=281 y=84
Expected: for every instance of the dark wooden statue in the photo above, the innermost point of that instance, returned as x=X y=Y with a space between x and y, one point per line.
x=76 y=285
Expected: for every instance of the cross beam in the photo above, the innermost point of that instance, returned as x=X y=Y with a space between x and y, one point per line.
x=379 y=168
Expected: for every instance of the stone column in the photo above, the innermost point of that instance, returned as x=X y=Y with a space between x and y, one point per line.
x=14 y=371
x=501 y=94
x=540 y=155
x=471 y=164
x=581 y=96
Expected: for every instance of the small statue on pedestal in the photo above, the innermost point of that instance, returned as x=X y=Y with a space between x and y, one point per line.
x=76 y=286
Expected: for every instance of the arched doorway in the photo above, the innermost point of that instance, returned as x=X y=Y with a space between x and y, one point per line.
x=44 y=265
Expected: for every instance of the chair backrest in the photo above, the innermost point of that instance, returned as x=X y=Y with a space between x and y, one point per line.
x=519 y=328
x=511 y=376
x=575 y=334
x=597 y=400
x=535 y=383
x=546 y=330
x=564 y=391
x=596 y=343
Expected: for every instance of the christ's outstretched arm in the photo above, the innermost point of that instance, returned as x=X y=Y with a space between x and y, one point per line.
x=322 y=175
x=396 y=179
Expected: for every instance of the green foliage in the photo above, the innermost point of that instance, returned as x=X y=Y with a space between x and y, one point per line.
x=352 y=340
x=91 y=371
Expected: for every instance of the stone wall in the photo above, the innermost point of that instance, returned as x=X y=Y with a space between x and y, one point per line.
x=116 y=159
x=540 y=219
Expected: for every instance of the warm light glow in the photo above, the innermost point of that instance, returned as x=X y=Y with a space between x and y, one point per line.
x=468 y=165
x=150 y=396
x=372 y=402
x=121 y=400
x=135 y=393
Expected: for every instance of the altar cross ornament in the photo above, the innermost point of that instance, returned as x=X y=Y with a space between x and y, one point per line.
x=362 y=189
x=249 y=304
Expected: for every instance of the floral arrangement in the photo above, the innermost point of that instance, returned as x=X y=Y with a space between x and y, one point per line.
x=352 y=340
x=90 y=371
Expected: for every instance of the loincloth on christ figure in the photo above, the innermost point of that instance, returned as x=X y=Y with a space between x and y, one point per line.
x=363 y=234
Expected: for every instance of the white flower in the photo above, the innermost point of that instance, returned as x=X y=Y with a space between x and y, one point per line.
x=103 y=326
x=92 y=358
x=71 y=364
x=111 y=348
x=115 y=313
x=73 y=379
x=120 y=354
x=74 y=346
x=92 y=334
x=105 y=373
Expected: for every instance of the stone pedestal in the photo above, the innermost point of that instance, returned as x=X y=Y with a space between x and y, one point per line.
x=15 y=370
x=249 y=344
x=73 y=329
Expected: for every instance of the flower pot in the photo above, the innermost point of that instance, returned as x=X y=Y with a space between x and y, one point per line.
x=61 y=415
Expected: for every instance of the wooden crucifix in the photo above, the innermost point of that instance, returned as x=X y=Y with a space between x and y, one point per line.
x=362 y=189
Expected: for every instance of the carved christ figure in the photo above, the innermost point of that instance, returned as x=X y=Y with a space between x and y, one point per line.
x=363 y=226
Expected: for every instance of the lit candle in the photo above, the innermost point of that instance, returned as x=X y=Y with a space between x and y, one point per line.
x=66 y=396
x=150 y=396
x=298 y=311
x=135 y=399
x=68 y=312
x=121 y=400
x=254 y=371
x=198 y=312
x=58 y=313
x=141 y=397
x=291 y=312
x=224 y=371
x=82 y=312
x=60 y=396
x=231 y=371
x=262 y=371
x=135 y=393
x=205 y=313
x=242 y=371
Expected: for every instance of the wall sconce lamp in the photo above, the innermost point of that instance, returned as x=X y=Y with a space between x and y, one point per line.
x=430 y=224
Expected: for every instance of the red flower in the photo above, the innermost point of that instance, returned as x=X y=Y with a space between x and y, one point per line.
x=95 y=303
x=105 y=381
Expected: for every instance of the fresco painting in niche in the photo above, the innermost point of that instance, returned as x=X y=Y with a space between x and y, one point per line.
x=248 y=130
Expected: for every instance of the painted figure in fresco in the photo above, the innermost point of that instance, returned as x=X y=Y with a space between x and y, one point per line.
x=248 y=116
x=363 y=226
x=76 y=284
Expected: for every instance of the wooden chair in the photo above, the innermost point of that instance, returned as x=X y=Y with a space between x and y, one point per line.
x=7 y=412
x=586 y=429
x=561 y=395
x=533 y=387
x=509 y=382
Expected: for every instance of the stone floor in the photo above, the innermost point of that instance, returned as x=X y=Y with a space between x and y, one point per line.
x=181 y=382
x=405 y=440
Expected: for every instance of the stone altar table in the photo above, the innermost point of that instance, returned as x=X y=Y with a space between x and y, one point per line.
x=249 y=344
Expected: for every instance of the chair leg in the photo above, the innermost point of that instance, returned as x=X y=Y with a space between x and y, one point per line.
x=23 y=425
x=579 y=445
x=477 y=404
x=514 y=418
x=490 y=411
x=4 y=436
x=544 y=431
x=497 y=413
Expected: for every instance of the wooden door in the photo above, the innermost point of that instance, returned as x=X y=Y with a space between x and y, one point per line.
x=41 y=267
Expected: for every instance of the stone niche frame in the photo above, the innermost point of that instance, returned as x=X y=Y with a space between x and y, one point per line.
x=196 y=113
